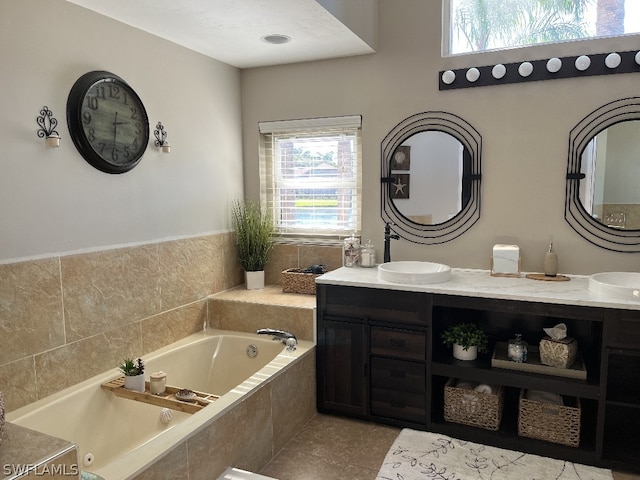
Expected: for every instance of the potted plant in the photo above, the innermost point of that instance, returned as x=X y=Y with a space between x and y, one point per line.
x=467 y=340
x=133 y=374
x=254 y=230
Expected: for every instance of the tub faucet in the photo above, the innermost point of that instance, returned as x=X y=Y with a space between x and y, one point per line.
x=387 y=241
x=288 y=338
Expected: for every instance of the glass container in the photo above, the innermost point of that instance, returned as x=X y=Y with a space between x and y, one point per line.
x=517 y=349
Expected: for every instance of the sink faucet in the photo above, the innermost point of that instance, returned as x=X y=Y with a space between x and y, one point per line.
x=387 y=241
x=288 y=338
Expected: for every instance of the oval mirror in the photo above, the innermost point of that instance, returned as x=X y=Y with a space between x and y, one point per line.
x=430 y=177
x=603 y=200
x=610 y=164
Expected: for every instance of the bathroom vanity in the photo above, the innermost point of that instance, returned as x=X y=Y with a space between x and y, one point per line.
x=380 y=356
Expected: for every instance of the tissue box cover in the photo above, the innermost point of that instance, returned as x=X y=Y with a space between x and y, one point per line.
x=558 y=353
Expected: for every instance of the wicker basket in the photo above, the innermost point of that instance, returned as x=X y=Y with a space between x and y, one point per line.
x=295 y=281
x=545 y=421
x=473 y=408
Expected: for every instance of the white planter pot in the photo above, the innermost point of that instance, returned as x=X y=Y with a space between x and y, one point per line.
x=461 y=354
x=254 y=280
x=135 y=383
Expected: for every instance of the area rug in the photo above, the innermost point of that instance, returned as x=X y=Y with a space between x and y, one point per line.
x=423 y=455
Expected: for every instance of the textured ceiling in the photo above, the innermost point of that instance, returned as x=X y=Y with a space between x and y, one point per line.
x=231 y=30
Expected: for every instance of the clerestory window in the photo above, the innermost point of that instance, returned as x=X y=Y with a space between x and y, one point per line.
x=481 y=25
x=310 y=176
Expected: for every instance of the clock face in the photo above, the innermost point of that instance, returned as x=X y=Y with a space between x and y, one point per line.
x=107 y=122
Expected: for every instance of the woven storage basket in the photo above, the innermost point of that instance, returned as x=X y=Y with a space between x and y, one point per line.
x=473 y=408
x=558 y=353
x=545 y=421
x=295 y=281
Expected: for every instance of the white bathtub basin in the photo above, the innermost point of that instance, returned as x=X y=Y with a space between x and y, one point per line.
x=414 y=272
x=619 y=285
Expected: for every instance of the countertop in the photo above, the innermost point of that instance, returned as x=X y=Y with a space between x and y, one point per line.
x=480 y=283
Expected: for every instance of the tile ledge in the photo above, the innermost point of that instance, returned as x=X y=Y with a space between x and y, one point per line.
x=269 y=295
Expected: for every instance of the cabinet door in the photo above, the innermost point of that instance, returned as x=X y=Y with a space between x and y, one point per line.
x=342 y=367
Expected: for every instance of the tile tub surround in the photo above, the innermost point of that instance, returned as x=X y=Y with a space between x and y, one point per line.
x=66 y=318
x=283 y=390
x=479 y=283
x=22 y=447
x=247 y=310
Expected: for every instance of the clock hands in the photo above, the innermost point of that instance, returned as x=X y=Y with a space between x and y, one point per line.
x=115 y=128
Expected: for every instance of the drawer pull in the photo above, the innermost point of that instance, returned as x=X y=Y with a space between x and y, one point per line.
x=397 y=373
x=396 y=343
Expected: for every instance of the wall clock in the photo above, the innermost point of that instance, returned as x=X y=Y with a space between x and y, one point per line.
x=107 y=122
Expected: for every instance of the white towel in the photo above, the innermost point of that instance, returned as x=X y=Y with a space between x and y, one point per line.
x=544 y=397
x=484 y=388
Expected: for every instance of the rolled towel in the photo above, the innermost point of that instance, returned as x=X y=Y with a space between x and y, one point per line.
x=544 y=397
x=484 y=388
x=466 y=385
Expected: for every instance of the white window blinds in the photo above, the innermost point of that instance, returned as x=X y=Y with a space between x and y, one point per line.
x=310 y=176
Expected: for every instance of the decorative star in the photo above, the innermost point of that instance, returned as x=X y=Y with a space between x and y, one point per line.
x=399 y=186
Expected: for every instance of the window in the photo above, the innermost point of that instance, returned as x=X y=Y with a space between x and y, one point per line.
x=480 y=25
x=311 y=176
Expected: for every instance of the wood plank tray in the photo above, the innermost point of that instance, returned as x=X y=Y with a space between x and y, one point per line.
x=533 y=364
x=167 y=399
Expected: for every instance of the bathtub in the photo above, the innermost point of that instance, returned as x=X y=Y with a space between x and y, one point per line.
x=119 y=437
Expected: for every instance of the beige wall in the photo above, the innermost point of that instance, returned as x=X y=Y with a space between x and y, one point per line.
x=524 y=127
x=51 y=200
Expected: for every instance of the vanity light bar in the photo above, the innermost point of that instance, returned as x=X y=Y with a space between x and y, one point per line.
x=551 y=69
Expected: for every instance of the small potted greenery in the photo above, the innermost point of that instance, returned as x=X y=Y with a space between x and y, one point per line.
x=133 y=374
x=254 y=229
x=467 y=340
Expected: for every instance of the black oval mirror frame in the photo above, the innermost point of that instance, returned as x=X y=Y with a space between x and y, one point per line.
x=590 y=228
x=411 y=228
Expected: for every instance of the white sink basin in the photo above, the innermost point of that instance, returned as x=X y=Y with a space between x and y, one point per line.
x=620 y=285
x=413 y=272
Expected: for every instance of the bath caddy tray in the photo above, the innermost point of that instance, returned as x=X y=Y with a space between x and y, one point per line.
x=533 y=364
x=167 y=399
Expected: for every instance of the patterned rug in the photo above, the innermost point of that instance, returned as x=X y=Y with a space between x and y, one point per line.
x=423 y=455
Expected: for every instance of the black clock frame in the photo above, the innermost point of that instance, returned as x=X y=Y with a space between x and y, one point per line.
x=74 y=121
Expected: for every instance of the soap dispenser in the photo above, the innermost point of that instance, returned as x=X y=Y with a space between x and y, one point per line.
x=550 y=262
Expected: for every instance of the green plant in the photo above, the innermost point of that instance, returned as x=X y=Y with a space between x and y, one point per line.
x=254 y=234
x=466 y=335
x=131 y=367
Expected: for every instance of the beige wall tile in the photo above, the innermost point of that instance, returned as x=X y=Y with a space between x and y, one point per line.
x=170 y=467
x=293 y=400
x=18 y=383
x=281 y=257
x=104 y=290
x=30 y=308
x=65 y=366
x=241 y=438
x=190 y=269
x=233 y=272
x=168 y=327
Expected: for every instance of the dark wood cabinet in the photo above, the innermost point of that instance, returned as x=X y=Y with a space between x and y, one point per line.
x=380 y=357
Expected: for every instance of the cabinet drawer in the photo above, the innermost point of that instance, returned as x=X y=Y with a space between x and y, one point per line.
x=623 y=331
x=398 y=343
x=398 y=375
x=400 y=405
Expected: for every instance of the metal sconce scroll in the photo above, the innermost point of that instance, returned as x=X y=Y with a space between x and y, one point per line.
x=551 y=69
x=47 y=123
x=161 y=138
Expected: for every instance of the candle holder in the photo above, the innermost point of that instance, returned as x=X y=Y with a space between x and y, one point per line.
x=161 y=138
x=47 y=123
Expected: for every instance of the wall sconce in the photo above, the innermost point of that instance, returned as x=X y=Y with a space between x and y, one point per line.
x=47 y=123
x=161 y=138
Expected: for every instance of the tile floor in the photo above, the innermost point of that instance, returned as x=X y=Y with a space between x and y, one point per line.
x=332 y=448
